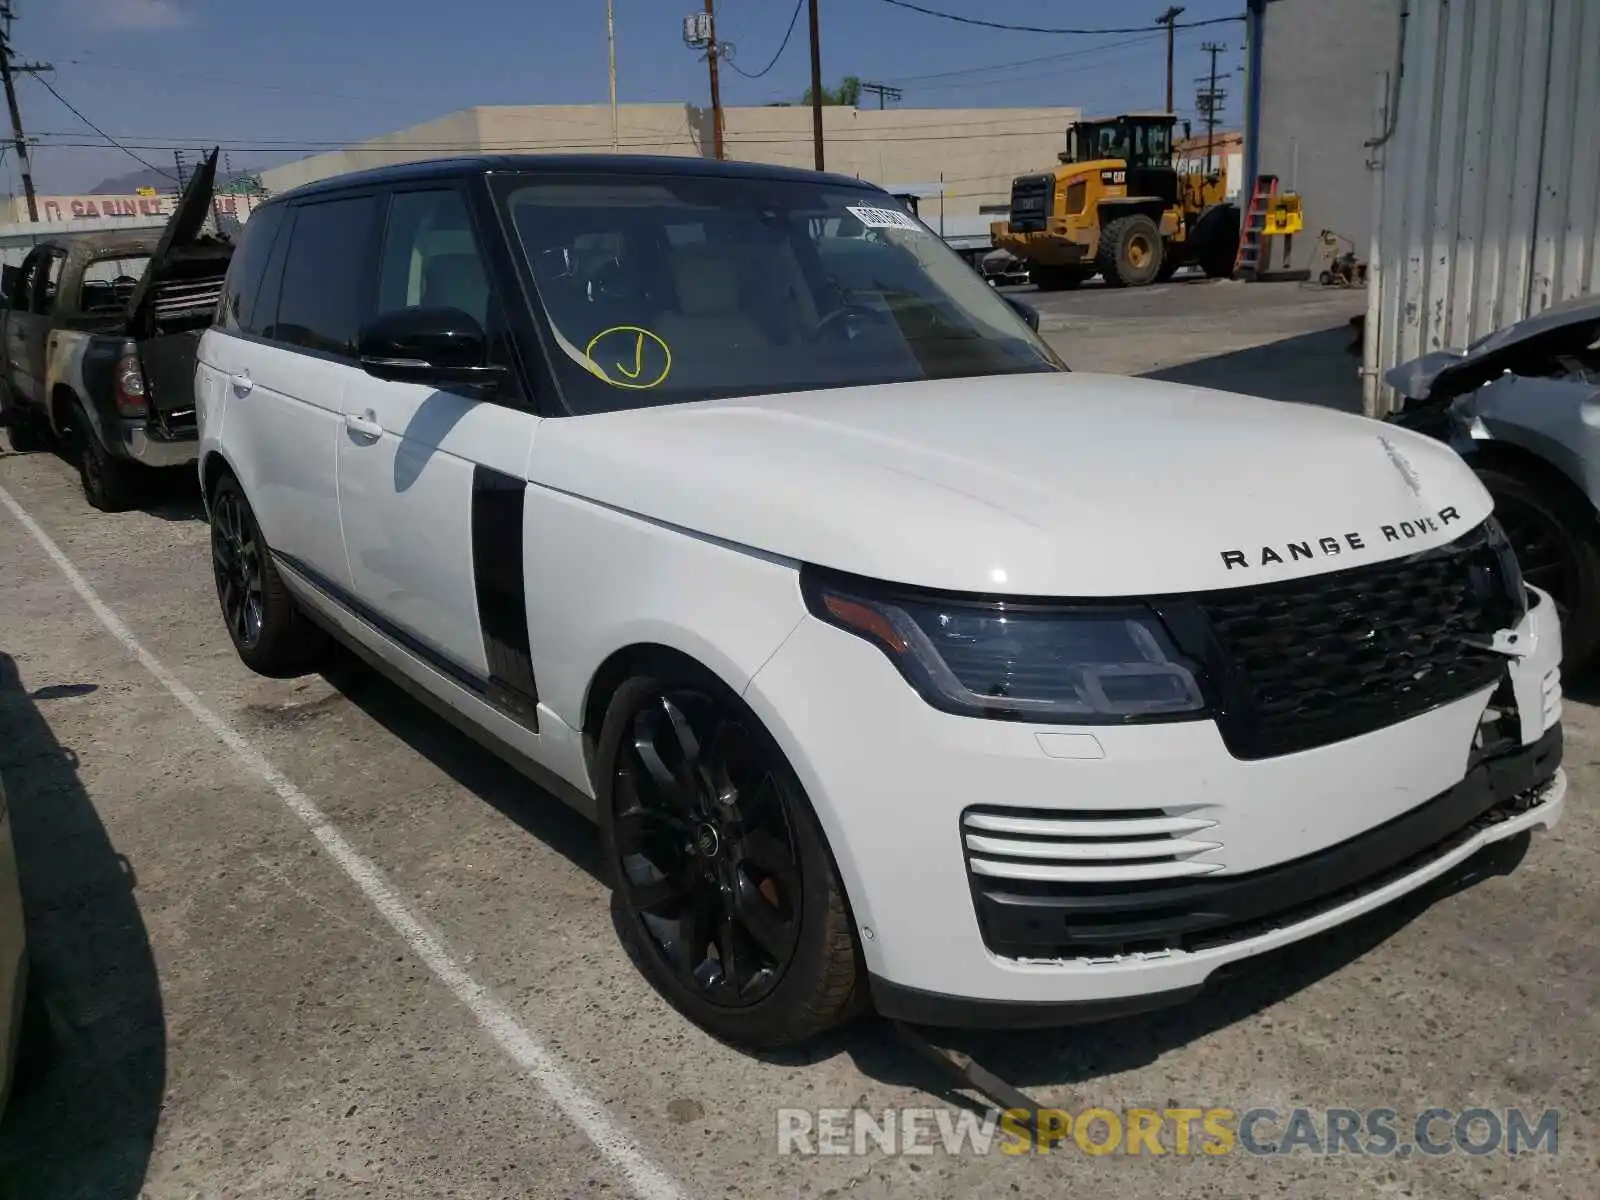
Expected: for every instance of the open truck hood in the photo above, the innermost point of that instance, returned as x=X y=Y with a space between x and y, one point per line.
x=182 y=232
x=1028 y=485
x=1572 y=325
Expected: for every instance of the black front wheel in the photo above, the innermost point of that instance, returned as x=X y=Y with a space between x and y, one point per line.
x=1558 y=549
x=726 y=896
x=272 y=636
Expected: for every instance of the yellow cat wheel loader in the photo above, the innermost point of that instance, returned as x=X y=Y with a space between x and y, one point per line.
x=1117 y=206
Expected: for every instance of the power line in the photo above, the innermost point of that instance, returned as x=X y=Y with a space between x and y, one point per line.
x=45 y=83
x=949 y=16
x=1024 y=62
x=794 y=19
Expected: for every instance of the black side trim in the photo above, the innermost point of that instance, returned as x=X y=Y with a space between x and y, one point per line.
x=371 y=616
x=497 y=501
x=915 y=1006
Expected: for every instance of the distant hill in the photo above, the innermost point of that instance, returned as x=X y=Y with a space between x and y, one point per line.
x=127 y=185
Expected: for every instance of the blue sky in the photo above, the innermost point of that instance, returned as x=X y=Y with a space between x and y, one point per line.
x=296 y=74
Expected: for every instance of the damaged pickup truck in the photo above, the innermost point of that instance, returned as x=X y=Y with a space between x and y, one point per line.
x=1522 y=406
x=100 y=337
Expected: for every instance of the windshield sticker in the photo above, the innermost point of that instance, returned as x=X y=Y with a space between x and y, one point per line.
x=884 y=218
x=627 y=356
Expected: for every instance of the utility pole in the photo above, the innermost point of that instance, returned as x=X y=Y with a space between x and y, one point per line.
x=882 y=91
x=716 y=88
x=1170 y=20
x=816 y=86
x=8 y=71
x=1209 y=99
x=611 y=55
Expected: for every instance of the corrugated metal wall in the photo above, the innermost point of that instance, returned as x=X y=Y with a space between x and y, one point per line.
x=1488 y=199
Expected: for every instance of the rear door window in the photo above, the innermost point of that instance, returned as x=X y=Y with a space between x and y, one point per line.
x=327 y=276
x=242 y=290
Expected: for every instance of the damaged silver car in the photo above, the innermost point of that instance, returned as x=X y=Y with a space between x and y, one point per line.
x=1522 y=405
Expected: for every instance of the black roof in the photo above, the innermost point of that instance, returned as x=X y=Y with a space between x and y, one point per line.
x=607 y=164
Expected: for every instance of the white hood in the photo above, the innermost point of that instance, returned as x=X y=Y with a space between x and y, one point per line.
x=1029 y=485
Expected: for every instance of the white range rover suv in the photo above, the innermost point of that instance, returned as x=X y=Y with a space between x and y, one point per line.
x=898 y=666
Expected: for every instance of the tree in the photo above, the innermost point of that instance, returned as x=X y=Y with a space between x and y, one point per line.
x=848 y=93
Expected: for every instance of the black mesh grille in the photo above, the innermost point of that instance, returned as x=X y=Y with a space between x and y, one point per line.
x=1313 y=661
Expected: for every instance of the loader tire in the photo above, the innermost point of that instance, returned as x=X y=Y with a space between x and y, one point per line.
x=1131 y=251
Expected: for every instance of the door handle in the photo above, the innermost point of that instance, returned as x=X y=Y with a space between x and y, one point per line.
x=364 y=424
x=242 y=383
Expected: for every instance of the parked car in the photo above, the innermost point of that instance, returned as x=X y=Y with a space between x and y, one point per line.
x=1000 y=267
x=1520 y=405
x=100 y=338
x=13 y=955
x=897 y=664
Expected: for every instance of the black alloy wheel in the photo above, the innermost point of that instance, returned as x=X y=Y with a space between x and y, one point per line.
x=707 y=851
x=272 y=636
x=727 y=897
x=236 y=561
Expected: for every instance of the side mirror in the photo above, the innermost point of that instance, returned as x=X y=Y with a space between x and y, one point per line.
x=1026 y=311
x=427 y=345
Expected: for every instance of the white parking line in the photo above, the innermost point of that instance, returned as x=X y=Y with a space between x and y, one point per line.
x=647 y=1181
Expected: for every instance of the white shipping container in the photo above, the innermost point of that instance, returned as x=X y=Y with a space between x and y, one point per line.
x=1488 y=189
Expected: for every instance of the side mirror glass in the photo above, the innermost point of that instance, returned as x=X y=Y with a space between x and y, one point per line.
x=1026 y=311
x=427 y=345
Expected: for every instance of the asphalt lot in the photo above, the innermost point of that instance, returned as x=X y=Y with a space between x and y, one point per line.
x=231 y=1009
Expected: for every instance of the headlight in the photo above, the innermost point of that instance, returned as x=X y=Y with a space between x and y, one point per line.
x=1497 y=578
x=1065 y=664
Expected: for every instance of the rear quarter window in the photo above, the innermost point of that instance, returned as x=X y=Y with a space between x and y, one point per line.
x=242 y=289
x=327 y=275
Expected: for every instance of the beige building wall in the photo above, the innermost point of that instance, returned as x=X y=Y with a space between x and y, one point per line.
x=976 y=151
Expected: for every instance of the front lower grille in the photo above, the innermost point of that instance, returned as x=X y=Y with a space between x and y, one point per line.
x=1085 y=846
x=1313 y=661
x=1053 y=901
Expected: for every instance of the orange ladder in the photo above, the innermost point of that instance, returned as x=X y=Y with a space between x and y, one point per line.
x=1253 y=236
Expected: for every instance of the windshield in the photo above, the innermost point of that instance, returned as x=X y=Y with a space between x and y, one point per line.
x=663 y=289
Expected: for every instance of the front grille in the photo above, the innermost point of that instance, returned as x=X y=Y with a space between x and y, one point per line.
x=1030 y=202
x=1313 y=661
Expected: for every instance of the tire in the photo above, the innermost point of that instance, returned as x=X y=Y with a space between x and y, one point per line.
x=1325 y=278
x=110 y=484
x=1215 y=240
x=1131 y=251
x=271 y=634
x=727 y=891
x=1558 y=546
x=1057 y=279
x=29 y=430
